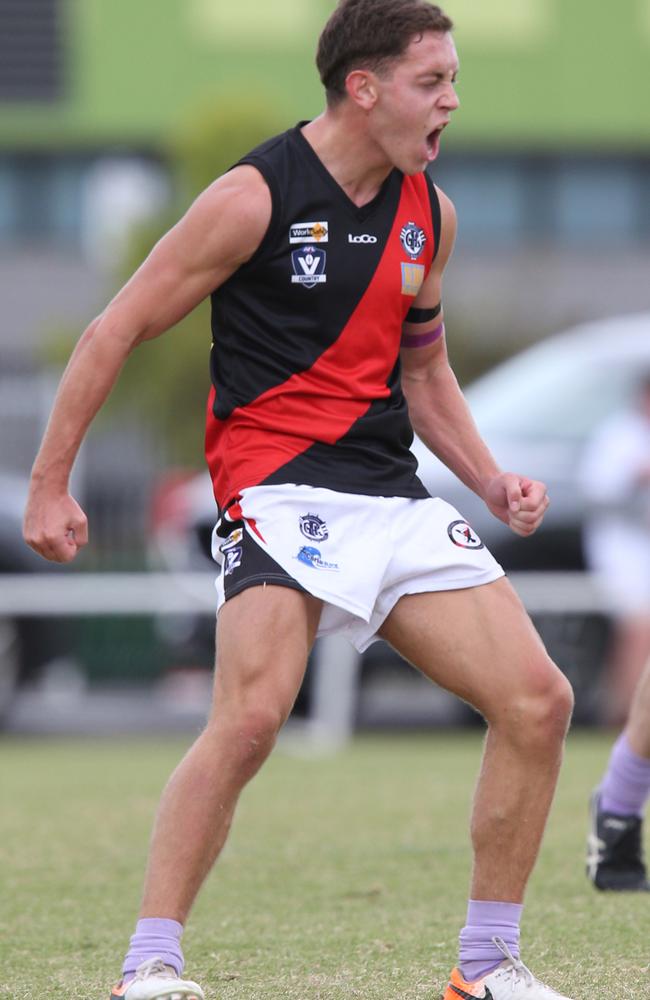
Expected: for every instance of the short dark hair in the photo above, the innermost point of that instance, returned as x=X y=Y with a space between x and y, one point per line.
x=371 y=34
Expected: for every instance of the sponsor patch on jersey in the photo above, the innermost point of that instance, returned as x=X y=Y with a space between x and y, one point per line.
x=310 y=556
x=464 y=536
x=412 y=278
x=363 y=238
x=233 y=560
x=413 y=240
x=308 y=266
x=309 y=232
x=314 y=527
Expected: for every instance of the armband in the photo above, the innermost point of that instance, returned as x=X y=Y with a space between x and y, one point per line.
x=422 y=339
x=422 y=315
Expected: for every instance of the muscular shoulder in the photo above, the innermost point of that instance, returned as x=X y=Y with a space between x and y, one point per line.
x=232 y=215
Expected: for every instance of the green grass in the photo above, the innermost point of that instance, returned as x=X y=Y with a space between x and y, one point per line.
x=345 y=875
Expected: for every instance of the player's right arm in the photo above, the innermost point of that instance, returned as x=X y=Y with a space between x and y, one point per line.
x=219 y=233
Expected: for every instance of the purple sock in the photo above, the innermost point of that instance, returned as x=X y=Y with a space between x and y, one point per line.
x=626 y=786
x=154 y=936
x=485 y=920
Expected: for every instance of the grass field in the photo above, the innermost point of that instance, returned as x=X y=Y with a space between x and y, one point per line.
x=345 y=876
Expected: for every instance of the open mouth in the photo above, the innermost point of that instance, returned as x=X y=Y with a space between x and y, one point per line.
x=433 y=141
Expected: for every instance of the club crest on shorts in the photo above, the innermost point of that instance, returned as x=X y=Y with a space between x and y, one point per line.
x=311 y=556
x=233 y=559
x=314 y=528
x=413 y=240
x=308 y=266
x=464 y=536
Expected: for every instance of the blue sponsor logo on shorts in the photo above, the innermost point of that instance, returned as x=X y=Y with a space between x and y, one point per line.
x=312 y=557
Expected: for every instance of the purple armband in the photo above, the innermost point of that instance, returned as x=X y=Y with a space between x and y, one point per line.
x=422 y=339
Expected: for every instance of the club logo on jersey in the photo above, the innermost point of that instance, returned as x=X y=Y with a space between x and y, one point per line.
x=364 y=238
x=310 y=556
x=412 y=278
x=233 y=560
x=308 y=266
x=309 y=232
x=462 y=535
x=413 y=240
x=314 y=528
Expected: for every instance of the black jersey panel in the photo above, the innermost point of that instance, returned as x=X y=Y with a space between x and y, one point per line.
x=279 y=312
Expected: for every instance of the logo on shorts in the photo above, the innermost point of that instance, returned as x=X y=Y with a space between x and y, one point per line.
x=233 y=559
x=314 y=528
x=233 y=539
x=309 y=232
x=308 y=266
x=413 y=240
x=312 y=557
x=462 y=535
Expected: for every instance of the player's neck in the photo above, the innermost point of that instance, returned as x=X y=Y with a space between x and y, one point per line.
x=349 y=155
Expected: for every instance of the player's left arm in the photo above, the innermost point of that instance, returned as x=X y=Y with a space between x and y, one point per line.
x=438 y=410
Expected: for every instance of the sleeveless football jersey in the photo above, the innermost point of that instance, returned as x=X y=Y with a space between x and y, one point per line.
x=306 y=335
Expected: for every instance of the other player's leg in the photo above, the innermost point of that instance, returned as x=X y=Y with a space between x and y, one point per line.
x=615 y=842
x=480 y=644
x=264 y=636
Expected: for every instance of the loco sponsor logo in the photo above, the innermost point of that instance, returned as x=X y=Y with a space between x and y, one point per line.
x=308 y=267
x=364 y=238
x=309 y=232
x=314 y=528
x=464 y=536
x=412 y=278
x=233 y=559
x=413 y=240
x=310 y=556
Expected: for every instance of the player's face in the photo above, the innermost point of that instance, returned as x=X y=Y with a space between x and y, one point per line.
x=415 y=101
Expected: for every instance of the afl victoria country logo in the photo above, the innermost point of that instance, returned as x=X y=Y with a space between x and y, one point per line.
x=308 y=266
x=413 y=240
x=462 y=535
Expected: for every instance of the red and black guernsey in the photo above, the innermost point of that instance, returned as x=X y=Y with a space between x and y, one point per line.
x=306 y=335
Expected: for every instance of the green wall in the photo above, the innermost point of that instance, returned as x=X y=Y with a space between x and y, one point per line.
x=534 y=73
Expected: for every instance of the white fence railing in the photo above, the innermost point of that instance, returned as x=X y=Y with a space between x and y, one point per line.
x=77 y=594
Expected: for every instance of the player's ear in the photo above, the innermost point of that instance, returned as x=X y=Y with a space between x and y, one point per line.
x=361 y=87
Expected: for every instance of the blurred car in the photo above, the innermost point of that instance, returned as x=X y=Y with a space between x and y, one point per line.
x=27 y=642
x=536 y=411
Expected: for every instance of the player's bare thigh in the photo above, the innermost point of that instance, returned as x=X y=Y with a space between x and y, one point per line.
x=264 y=636
x=478 y=643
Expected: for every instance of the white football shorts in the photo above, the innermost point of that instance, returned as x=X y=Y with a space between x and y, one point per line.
x=358 y=554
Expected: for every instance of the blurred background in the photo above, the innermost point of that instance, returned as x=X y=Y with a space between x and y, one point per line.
x=112 y=118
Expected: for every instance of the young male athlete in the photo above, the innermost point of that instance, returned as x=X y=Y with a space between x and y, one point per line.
x=323 y=251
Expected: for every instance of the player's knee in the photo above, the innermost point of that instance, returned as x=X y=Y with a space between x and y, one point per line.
x=248 y=733
x=538 y=717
